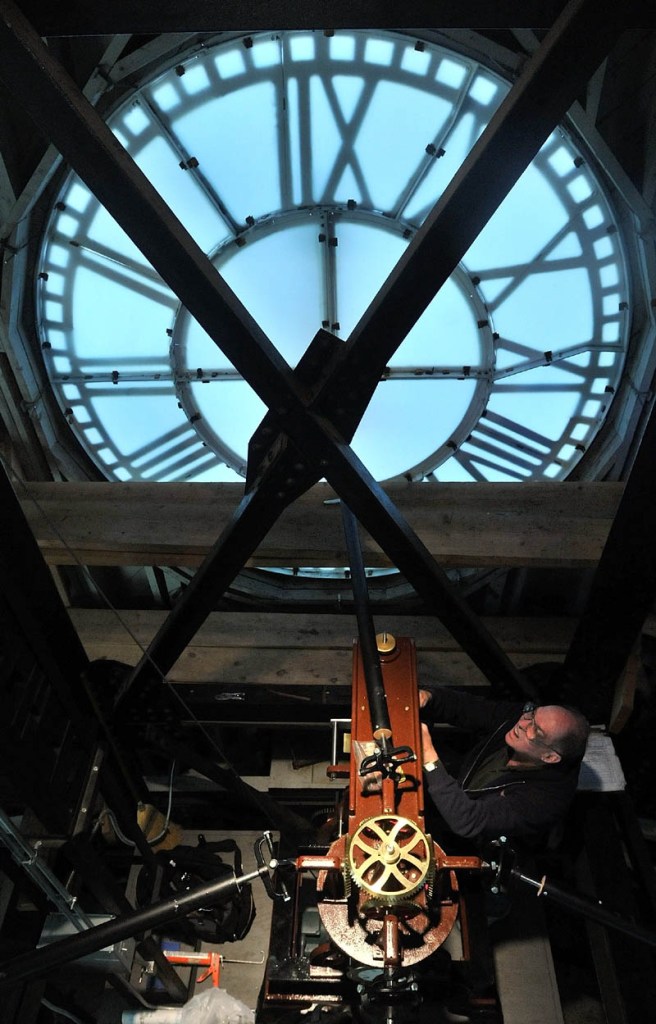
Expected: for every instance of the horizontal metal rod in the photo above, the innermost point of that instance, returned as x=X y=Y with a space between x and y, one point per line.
x=37 y=963
x=586 y=907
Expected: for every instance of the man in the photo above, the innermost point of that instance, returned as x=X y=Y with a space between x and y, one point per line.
x=519 y=780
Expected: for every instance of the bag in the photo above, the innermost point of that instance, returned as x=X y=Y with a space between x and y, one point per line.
x=185 y=868
x=216 y=1006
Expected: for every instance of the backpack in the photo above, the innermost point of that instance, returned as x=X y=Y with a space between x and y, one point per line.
x=184 y=868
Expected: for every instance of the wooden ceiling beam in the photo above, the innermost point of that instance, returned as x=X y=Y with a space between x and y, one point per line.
x=279 y=650
x=93 y=17
x=463 y=525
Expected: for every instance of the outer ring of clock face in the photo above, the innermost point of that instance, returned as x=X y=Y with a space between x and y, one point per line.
x=303 y=164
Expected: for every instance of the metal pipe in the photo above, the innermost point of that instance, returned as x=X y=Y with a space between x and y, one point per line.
x=335 y=724
x=380 y=720
x=34 y=964
x=587 y=907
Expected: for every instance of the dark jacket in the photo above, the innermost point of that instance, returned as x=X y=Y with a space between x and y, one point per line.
x=518 y=802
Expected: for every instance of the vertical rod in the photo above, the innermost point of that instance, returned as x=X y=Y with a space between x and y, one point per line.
x=380 y=720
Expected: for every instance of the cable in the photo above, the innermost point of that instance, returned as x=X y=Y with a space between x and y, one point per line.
x=108 y=813
x=60 y=1011
x=165 y=826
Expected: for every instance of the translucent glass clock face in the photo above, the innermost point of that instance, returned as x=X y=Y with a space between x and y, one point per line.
x=303 y=164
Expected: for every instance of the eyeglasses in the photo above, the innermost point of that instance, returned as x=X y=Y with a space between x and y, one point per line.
x=528 y=714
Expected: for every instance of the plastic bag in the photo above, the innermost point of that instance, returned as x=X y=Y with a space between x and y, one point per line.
x=162 y=1015
x=215 y=1006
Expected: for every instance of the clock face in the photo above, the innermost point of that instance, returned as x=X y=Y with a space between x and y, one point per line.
x=303 y=164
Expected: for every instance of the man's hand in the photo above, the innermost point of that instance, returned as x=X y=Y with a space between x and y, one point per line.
x=424 y=698
x=428 y=751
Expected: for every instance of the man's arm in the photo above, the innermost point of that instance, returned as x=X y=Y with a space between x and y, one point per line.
x=522 y=808
x=486 y=818
x=471 y=713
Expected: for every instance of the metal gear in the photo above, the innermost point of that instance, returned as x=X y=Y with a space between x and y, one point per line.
x=389 y=857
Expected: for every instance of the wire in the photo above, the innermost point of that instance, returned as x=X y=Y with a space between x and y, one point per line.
x=165 y=826
x=108 y=813
x=60 y=1011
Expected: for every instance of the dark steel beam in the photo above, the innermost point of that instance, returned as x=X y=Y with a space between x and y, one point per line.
x=537 y=103
x=89 y=146
x=33 y=602
x=22 y=768
x=151 y=17
x=539 y=100
x=255 y=515
x=29 y=589
x=35 y=620
x=77 y=130
x=553 y=78
x=623 y=588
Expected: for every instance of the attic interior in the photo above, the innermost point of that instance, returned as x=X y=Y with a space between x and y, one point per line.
x=312 y=220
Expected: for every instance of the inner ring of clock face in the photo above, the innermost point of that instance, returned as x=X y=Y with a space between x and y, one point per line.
x=303 y=164
x=283 y=265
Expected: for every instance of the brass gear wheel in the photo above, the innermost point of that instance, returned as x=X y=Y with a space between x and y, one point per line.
x=389 y=857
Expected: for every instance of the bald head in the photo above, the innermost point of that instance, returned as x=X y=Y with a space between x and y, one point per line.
x=548 y=734
x=573 y=730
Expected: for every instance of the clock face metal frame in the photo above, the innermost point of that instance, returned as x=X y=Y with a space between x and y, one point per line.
x=302 y=164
